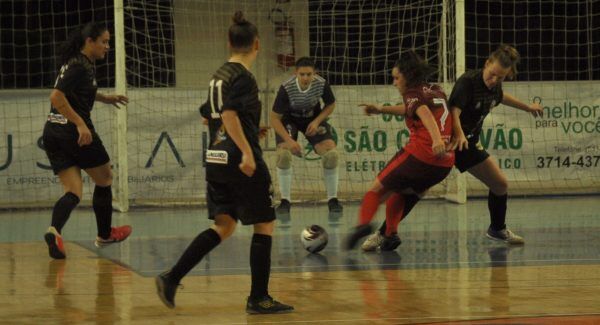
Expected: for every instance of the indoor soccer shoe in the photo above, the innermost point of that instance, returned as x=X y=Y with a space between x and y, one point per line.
x=334 y=205
x=373 y=242
x=356 y=234
x=56 y=248
x=505 y=235
x=390 y=243
x=266 y=305
x=166 y=289
x=117 y=234
x=283 y=207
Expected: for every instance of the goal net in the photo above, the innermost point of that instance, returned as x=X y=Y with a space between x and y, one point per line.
x=171 y=48
x=559 y=45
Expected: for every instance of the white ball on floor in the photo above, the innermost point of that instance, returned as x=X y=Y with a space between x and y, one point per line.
x=314 y=238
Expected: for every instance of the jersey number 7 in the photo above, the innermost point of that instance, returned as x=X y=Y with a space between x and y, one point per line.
x=444 y=117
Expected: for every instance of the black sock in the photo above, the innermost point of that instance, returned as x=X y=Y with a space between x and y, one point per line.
x=497 y=206
x=62 y=210
x=260 y=264
x=102 y=204
x=410 y=200
x=200 y=246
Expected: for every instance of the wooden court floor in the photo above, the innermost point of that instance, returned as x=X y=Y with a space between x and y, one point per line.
x=445 y=271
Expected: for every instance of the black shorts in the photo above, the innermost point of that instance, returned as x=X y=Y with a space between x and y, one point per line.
x=468 y=158
x=404 y=171
x=60 y=143
x=249 y=202
x=293 y=125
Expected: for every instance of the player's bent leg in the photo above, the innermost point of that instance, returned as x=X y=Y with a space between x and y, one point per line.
x=102 y=205
x=168 y=281
x=489 y=173
x=70 y=178
x=492 y=176
x=284 y=175
x=370 y=203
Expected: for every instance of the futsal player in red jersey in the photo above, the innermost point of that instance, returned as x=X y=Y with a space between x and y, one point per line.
x=422 y=163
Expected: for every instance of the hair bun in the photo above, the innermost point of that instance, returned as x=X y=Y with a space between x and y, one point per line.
x=238 y=18
x=512 y=53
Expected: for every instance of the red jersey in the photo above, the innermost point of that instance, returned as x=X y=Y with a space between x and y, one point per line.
x=419 y=143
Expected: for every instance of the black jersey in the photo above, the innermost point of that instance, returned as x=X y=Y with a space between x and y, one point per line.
x=475 y=100
x=77 y=81
x=232 y=87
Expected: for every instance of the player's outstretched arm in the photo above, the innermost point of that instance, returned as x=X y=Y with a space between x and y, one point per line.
x=112 y=99
x=374 y=109
x=534 y=108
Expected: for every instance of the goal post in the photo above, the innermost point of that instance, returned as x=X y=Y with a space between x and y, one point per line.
x=121 y=177
x=164 y=52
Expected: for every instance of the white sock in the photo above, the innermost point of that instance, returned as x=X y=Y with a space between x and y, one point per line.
x=331 y=182
x=285 y=182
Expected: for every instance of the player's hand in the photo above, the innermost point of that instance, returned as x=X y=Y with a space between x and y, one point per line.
x=439 y=148
x=115 y=99
x=312 y=128
x=263 y=131
x=371 y=109
x=294 y=147
x=458 y=142
x=248 y=165
x=536 y=110
x=85 y=135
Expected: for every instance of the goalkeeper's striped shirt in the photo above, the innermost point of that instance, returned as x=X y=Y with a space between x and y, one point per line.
x=297 y=103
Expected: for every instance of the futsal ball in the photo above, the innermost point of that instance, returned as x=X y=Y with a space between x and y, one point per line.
x=314 y=238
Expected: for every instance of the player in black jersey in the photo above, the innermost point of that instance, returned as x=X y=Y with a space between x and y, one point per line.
x=238 y=181
x=473 y=96
x=297 y=108
x=71 y=142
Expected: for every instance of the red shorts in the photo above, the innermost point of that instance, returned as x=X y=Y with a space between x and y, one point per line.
x=404 y=171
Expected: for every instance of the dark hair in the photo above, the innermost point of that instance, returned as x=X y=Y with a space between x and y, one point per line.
x=508 y=57
x=242 y=33
x=76 y=39
x=414 y=69
x=305 y=61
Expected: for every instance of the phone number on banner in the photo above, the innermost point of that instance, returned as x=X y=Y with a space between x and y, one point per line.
x=567 y=161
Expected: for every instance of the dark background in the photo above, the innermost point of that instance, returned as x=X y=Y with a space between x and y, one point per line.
x=353 y=42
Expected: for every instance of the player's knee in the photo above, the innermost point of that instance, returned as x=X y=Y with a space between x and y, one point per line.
x=224 y=226
x=330 y=159
x=264 y=228
x=501 y=187
x=284 y=158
